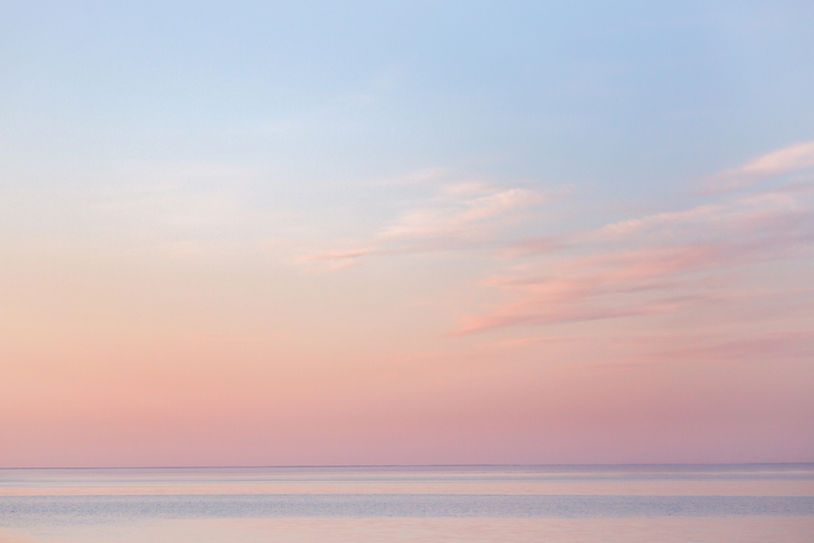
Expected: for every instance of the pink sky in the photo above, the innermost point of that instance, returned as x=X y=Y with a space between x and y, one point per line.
x=467 y=327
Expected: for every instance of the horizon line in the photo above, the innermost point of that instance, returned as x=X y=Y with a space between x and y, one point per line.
x=462 y=465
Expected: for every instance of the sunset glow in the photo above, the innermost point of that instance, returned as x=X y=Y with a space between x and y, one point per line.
x=420 y=236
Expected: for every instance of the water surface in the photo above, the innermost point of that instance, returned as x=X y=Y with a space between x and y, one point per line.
x=755 y=502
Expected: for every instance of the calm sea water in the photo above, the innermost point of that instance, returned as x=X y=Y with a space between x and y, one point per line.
x=677 y=503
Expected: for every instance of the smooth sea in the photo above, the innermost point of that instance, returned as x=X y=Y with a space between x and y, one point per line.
x=632 y=504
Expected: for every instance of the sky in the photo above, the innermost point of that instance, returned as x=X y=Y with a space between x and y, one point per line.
x=299 y=233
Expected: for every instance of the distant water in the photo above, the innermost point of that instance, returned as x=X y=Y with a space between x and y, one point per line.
x=631 y=504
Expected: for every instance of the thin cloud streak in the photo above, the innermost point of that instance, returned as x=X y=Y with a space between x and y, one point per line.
x=565 y=298
x=551 y=299
x=458 y=213
x=653 y=256
x=731 y=214
x=565 y=315
x=783 y=161
x=459 y=216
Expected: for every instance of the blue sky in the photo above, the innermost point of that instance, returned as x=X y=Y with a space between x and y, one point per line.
x=636 y=96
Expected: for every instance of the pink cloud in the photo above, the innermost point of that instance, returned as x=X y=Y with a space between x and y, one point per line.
x=647 y=281
x=347 y=255
x=728 y=214
x=506 y=317
x=334 y=261
x=459 y=216
x=622 y=271
x=789 y=159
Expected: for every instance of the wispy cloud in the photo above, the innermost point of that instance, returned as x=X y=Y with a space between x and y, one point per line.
x=660 y=263
x=648 y=265
x=611 y=290
x=461 y=211
x=647 y=281
x=508 y=317
x=457 y=216
x=733 y=213
x=338 y=260
x=783 y=161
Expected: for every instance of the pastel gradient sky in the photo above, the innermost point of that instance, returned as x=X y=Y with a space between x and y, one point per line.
x=396 y=233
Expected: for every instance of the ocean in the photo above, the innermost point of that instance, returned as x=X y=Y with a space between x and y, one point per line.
x=381 y=504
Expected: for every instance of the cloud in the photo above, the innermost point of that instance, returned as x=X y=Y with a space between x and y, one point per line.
x=728 y=214
x=555 y=316
x=460 y=212
x=787 y=160
x=646 y=281
x=458 y=216
x=648 y=265
x=571 y=295
x=338 y=260
x=660 y=263
x=744 y=212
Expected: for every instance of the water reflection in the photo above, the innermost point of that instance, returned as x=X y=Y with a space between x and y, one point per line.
x=479 y=530
x=391 y=504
